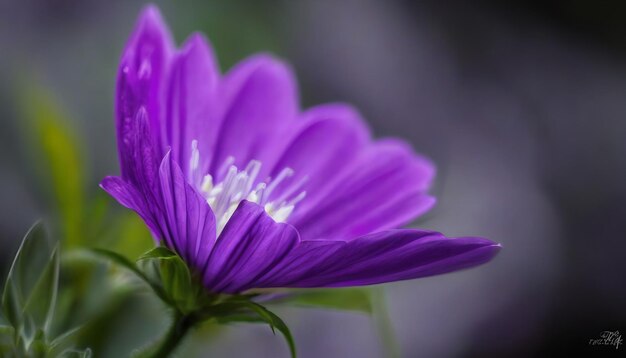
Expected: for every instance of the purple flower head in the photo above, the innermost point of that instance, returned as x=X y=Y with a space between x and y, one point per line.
x=252 y=192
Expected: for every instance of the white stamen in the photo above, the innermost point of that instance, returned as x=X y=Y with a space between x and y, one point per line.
x=207 y=183
x=286 y=172
x=227 y=163
x=297 y=199
x=293 y=189
x=224 y=196
x=194 y=162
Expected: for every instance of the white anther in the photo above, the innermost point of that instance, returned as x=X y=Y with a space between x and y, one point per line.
x=224 y=196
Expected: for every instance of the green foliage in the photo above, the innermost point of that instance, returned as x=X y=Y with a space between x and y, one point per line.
x=29 y=298
x=64 y=342
x=6 y=340
x=121 y=261
x=348 y=299
x=152 y=279
x=57 y=153
x=384 y=324
x=77 y=354
x=171 y=280
x=132 y=236
x=41 y=302
x=169 y=272
x=167 y=275
x=82 y=214
x=60 y=158
x=245 y=310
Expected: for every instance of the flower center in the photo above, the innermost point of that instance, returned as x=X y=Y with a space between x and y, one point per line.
x=237 y=185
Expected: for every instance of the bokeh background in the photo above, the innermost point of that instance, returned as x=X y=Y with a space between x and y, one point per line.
x=521 y=104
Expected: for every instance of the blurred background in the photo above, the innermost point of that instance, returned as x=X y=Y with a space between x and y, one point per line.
x=522 y=106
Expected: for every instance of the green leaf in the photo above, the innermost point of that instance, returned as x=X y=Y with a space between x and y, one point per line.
x=274 y=321
x=11 y=304
x=121 y=261
x=64 y=342
x=158 y=252
x=74 y=353
x=230 y=312
x=56 y=152
x=129 y=265
x=41 y=302
x=6 y=339
x=351 y=299
x=240 y=318
x=38 y=349
x=30 y=261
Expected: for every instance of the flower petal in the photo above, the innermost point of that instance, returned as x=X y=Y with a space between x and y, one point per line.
x=259 y=105
x=191 y=104
x=138 y=160
x=326 y=143
x=137 y=188
x=189 y=221
x=381 y=257
x=250 y=245
x=141 y=76
x=300 y=263
x=129 y=197
x=384 y=188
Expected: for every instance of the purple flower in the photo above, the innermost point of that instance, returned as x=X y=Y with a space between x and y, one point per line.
x=253 y=193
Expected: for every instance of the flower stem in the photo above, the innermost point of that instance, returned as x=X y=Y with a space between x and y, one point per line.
x=177 y=332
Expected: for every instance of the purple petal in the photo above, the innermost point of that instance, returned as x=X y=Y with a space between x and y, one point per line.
x=301 y=263
x=141 y=76
x=249 y=247
x=189 y=221
x=129 y=197
x=137 y=189
x=259 y=105
x=191 y=104
x=381 y=257
x=138 y=160
x=384 y=188
x=327 y=142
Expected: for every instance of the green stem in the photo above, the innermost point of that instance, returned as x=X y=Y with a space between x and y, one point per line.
x=384 y=324
x=181 y=325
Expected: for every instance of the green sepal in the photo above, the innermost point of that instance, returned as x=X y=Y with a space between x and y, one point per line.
x=244 y=310
x=172 y=280
x=166 y=270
